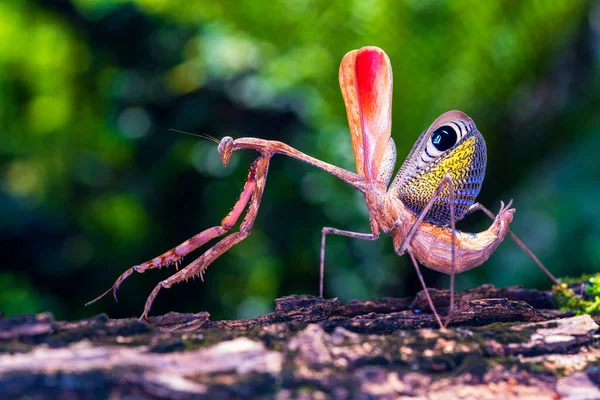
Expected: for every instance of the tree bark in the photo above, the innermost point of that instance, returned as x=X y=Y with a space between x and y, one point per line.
x=501 y=343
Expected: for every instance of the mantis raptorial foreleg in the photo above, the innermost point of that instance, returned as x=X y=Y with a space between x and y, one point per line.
x=251 y=193
x=253 y=190
x=173 y=256
x=479 y=207
x=349 y=177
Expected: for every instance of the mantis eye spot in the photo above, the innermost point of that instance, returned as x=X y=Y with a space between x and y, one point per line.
x=443 y=138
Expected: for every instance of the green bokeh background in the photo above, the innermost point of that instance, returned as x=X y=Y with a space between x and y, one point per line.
x=92 y=181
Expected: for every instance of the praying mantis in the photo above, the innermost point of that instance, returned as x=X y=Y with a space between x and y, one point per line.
x=436 y=186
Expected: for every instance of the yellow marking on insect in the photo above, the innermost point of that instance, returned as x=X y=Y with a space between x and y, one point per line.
x=465 y=164
x=457 y=162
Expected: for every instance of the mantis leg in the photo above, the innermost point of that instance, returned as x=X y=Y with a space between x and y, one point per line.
x=356 y=235
x=431 y=305
x=253 y=191
x=228 y=145
x=479 y=207
x=258 y=170
x=446 y=181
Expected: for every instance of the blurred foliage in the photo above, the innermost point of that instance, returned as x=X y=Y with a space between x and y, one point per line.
x=92 y=181
x=580 y=295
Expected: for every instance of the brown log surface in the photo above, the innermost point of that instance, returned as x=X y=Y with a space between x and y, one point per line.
x=502 y=343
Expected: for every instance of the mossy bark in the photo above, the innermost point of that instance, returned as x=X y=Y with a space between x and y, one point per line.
x=501 y=343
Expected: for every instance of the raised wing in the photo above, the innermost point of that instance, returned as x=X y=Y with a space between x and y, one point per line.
x=366 y=83
x=452 y=144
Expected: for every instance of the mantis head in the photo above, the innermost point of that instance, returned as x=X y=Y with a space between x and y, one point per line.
x=225 y=149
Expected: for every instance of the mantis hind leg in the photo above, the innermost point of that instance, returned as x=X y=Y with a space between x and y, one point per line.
x=478 y=207
x=446 y=181
x=431 y=305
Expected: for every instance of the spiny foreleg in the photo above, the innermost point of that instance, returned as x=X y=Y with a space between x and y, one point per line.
x=258 y=176
x=175 y=255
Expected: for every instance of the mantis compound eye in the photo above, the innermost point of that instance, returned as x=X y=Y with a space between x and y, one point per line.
x=443 y=138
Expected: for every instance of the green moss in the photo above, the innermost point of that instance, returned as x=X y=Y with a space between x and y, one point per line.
x=15 y=347
x=536 y=368
x=587 y=302
x=502 y=334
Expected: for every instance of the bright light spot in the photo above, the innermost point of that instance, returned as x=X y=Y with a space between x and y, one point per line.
x=120 y=216
x=207 y=160
x=134 y=122
x=228 y=53
x=253 y=91
x=49 y=113
x=185 y=78
x=252 y=307
x=23 y=178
